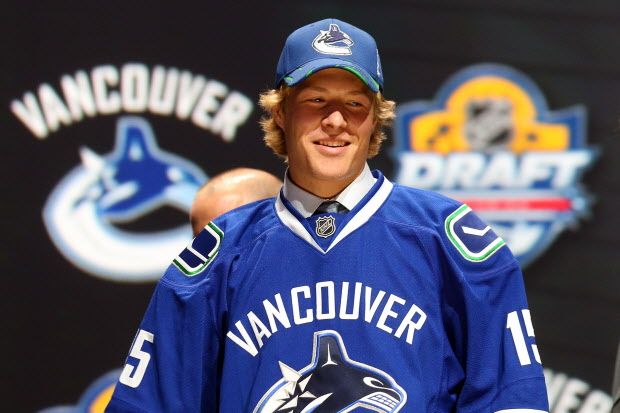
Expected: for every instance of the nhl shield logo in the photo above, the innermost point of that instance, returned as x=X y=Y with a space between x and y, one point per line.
x=325 y=226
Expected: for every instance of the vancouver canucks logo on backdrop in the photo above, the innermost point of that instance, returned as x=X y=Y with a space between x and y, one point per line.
x=332 y=383
x=333 y=41
x=94 y=213
x=132 y=181
x=489 y=140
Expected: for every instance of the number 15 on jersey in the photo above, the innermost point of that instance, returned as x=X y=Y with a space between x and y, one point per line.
x=513 y=323
x=132 y=375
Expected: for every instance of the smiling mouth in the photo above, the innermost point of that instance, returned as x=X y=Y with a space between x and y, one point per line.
x=332 y=144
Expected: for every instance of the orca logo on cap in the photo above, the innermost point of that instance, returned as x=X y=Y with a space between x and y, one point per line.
x=333 y=41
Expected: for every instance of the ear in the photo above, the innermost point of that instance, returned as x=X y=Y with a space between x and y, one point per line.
x=373 y=108
x=278 y=116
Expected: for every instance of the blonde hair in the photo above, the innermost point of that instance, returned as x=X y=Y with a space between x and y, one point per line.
x=273 y=99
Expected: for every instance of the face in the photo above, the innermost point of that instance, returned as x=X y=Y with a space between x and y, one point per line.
x=327 y=122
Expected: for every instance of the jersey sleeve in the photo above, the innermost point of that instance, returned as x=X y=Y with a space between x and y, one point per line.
x=173 y=361
x=492 y=332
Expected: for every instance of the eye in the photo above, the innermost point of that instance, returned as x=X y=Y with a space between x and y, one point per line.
x=357 y=104
x=373 y=382
x=174 y=174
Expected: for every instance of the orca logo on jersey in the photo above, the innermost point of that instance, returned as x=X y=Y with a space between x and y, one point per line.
x=490 y=140
x=332 y=383
x=131 y=182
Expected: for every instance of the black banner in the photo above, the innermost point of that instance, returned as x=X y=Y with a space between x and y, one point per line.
x=114 y=114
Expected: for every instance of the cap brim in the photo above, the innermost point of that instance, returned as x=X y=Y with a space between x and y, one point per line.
x=313 y=66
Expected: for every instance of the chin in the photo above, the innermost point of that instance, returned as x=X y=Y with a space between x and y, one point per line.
x=335 y=173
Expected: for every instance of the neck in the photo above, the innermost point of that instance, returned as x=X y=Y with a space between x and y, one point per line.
x=323 y=188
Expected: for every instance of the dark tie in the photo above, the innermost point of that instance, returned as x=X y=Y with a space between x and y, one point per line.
x=330 y=207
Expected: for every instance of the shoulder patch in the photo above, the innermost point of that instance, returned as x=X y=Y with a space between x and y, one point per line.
x=471 y=236
x=201 y=251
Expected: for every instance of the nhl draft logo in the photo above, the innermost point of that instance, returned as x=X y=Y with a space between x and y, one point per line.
x=129 y=183
x=489 y=140
x=325 y=226
x=332 y=383
x=333 y=41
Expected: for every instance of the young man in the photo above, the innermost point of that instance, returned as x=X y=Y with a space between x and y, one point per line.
x=390 y=299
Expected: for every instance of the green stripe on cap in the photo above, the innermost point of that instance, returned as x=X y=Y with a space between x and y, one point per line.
x=362 y=78
x=370 y=82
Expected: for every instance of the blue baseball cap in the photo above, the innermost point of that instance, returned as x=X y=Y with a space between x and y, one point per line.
x=330 y=43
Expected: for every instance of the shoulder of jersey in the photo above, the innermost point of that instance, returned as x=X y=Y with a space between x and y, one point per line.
x=246 y=223
x=419 y=207
x=464 y=234
x=224 y=236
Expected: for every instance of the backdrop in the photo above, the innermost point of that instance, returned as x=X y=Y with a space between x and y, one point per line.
x=113 y=114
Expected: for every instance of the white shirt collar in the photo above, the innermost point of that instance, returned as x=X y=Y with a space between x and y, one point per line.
x=306 y=203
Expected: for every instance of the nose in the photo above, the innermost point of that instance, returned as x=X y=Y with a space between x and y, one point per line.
x=334 y=122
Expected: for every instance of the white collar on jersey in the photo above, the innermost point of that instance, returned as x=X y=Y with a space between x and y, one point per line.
x=360 y=218
x=306 y=203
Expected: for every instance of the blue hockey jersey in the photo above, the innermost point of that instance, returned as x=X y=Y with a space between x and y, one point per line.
x=407 y=303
